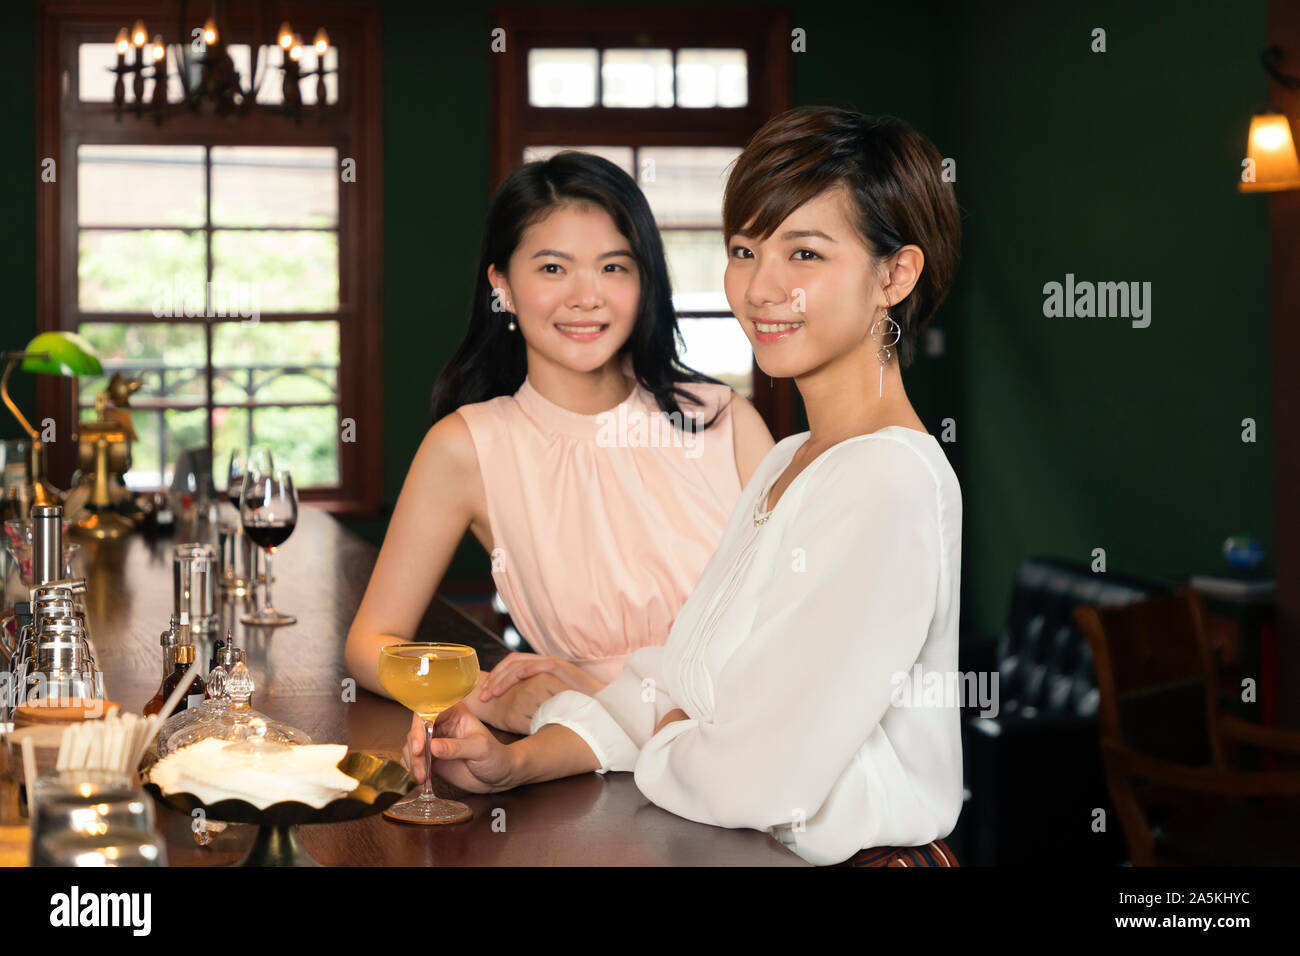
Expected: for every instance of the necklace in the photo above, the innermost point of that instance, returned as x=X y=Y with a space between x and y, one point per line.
x=760 y=517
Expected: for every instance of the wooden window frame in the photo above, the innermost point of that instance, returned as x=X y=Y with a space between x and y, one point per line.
x=764 y=34
x=1284 y=243
x=351 y=126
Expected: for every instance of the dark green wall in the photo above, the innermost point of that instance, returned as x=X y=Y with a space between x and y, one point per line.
x=1072 y=433
x=1079 y=433
x=436 y=128
x=18 y=183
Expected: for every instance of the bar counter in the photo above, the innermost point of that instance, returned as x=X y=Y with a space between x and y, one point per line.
x=320 y=576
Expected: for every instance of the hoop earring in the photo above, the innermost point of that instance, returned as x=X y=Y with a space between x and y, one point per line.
x=885 y=353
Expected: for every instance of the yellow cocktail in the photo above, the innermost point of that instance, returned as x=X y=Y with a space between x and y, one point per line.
x=428 y=678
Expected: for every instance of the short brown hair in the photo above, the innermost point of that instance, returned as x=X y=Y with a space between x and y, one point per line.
x=891 y=173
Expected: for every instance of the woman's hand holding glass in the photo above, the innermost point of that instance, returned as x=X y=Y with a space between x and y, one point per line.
x=464 y=752
x=430 y=678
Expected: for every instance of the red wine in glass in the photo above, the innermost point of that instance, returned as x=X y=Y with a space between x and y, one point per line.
x=268 y=512
x=270 y=534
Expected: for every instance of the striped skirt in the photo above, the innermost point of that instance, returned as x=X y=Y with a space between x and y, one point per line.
x=934 y=853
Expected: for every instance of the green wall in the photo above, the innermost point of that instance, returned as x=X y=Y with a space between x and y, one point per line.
x=18 y=183
x=1072 y=433
x=1079 y=433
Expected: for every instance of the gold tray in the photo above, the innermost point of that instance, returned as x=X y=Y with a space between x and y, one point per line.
x=382 y=783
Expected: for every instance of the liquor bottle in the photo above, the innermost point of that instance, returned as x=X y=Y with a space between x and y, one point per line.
x=168 y=639
x=183 y=655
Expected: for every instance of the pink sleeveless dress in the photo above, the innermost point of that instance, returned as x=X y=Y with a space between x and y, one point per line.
x=601 y=524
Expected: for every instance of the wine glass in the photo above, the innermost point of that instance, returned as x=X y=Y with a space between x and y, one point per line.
x=268 y=511
x=242 y=461
x=428 y=678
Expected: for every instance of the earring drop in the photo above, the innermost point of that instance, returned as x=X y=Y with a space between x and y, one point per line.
x=511 y=324
x=885 y=354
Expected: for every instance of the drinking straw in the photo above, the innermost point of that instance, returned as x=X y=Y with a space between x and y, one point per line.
x=29 y=770
x=157 y=719
x=65 y=748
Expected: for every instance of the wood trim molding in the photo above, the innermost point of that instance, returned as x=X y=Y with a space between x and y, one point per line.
x=356 y=130
x=1284 y=241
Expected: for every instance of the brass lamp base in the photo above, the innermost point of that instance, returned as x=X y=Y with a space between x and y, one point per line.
x=103 y=526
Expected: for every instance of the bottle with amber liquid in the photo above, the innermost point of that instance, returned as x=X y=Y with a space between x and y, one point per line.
x=183 y=657
x=168 y=639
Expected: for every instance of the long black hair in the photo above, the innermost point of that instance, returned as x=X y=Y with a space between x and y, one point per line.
x=491 y=360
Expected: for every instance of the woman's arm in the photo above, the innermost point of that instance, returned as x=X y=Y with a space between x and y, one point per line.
x=570 y=733
x=432 y=514
x=553 y=752
x=672 y=717
x=750 y=436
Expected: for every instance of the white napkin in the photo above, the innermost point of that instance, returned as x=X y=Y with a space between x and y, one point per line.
x=307 y=773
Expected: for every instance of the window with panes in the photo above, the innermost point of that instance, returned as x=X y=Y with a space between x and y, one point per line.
x=224 y=259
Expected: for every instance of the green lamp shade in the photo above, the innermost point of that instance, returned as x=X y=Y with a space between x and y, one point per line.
x=70 y=354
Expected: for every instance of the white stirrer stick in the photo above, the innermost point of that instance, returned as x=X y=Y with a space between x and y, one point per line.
x=175 y=698
x=29 y=770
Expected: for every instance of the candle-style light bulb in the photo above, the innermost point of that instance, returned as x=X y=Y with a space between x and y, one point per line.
x=159 y=51
x=285 y=38
x=138 y=33
x=123 y=41
x=210 y=31
x=322 y=42
x=295 y=51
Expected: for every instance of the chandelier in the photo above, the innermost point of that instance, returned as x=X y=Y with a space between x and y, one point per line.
x=207 y=73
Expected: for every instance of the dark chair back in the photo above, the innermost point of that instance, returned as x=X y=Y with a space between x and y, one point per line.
x=1045 y=666
x=1156 y=673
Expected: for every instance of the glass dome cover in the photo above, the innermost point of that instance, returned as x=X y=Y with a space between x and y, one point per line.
x=228 y=718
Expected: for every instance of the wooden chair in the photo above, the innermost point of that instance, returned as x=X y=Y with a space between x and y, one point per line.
x=1163 y=742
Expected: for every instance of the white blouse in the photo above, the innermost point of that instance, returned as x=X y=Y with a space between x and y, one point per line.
x=799 y=659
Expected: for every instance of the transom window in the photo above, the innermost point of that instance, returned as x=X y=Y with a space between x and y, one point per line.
x=688 y=78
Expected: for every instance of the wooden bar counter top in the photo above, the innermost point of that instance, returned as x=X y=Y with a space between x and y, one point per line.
x=321 y=573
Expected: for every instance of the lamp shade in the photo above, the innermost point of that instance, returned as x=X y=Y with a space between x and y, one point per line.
x=70 y=354
x=1271 y=147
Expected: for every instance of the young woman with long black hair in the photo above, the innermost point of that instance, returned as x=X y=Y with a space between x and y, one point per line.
x=594 y=467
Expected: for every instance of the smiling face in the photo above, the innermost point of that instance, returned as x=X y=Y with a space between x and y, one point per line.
x=809 y=292
x=574 y=286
